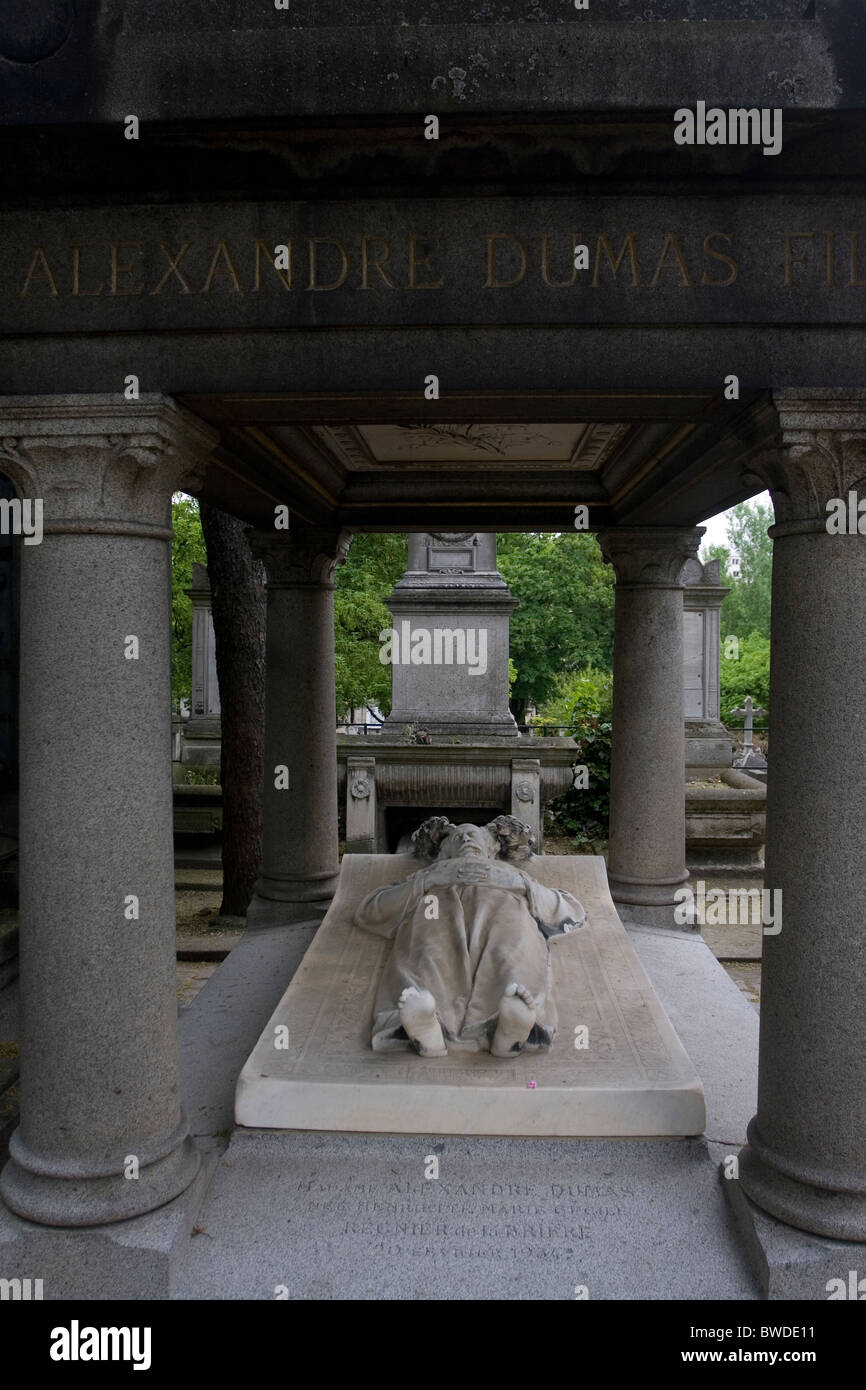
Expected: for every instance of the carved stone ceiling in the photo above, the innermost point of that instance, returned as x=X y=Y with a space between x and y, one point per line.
x=377 y=447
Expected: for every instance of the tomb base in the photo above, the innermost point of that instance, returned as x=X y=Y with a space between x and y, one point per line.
x=135 y=1259
x=616 y=1067
x=793 y=1264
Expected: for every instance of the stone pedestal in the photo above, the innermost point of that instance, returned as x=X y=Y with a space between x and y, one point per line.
x=449 y=658
x=647 y=806
x=102 y=1136
x=805 y=1162
x=526 y=793
x=361 y=806
x=299 y=805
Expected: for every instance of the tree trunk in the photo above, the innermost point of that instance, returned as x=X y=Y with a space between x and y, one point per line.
x=518 y=708
x=238 y=606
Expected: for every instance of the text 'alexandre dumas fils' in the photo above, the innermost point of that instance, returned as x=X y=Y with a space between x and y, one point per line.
x=504 y=260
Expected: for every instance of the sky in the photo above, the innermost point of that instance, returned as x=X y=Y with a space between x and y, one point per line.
x=716 y=530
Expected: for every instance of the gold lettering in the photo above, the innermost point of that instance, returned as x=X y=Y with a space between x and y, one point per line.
x=678 y=263
x=378 y=264
x=603 y=245
x=125 y=269
x=855 y=263
x=173 y=263
x=415 y=261
x=792 y=259
x=314 y=243
x=40 y=260
x=76 y=277
x=719 y=256
x=492 y=282
x=545 y=264
x=284 y=276
x=831 y=258
x=221 y=252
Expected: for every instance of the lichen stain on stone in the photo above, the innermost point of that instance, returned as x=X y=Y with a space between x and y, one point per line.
x=458 y=81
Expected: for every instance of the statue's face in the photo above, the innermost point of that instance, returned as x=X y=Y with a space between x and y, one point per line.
x=466 y=841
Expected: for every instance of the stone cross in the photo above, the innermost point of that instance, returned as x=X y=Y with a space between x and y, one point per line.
x=747 y=713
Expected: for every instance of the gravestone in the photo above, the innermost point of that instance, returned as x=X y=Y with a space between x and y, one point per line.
x=708 y=744
x=201 y=734
x=615 y=1068
x=450 y=740
x=449 y=658
x=751 y=758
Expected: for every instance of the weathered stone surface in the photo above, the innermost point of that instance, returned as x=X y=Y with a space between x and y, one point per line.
x=98 y=1034
x=197 y=66
x=334 y=1216
x=299 y=835
x=791 y=1264
x=448 y=646
x=804 y=1163
x=732 y=260
x=647 y=814
x=131 y=1260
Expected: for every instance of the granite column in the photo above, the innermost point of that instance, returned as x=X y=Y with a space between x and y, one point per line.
x=300 y=863
x=805 y=1162
x=102 y=1135
x=647 y=788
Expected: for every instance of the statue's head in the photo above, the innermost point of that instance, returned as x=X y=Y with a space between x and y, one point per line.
x=504 y=838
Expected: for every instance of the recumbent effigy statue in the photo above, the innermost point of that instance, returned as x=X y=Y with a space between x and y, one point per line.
x=470 y=966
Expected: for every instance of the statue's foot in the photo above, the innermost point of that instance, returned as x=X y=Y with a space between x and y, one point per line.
x=420 y=1024
x=516 y=1021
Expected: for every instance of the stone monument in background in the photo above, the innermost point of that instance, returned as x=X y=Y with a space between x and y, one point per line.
x=201 y=733
x=450 y=744
x=708 y=743
x=452 y=591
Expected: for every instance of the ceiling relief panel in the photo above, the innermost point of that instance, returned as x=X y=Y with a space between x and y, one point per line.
x=544 y=446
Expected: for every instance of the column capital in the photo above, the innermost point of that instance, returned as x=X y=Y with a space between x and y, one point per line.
x=820 y=454
x=649 y=557
x=102 y=464
x=307 y=555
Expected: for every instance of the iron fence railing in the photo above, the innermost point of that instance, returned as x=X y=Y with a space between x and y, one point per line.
x=760 y=732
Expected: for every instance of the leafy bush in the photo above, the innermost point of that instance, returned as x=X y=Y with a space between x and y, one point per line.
x=585 y=703
x=201 y=776
x=749 y=675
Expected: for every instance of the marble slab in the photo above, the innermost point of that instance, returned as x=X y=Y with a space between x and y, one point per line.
x=634 y=1079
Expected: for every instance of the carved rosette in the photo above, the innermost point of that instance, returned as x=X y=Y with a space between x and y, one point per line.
x=306 y=556
x=103 y=465
x=650 y=557
x=360 y=787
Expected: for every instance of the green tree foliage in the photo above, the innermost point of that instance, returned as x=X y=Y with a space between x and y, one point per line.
x=374 y=565
x=187 y=548
x=749 y=675
x=586 y=701
x=747 y=607
x=565 y=619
